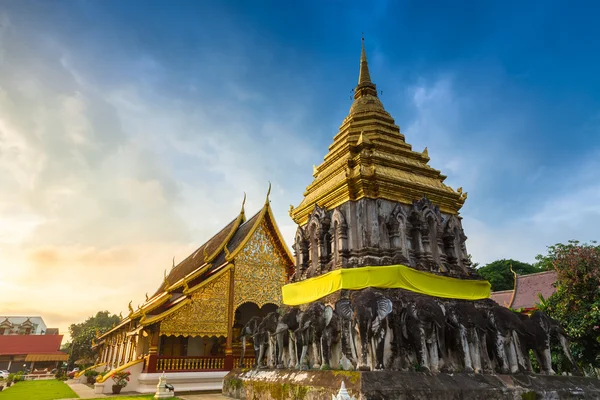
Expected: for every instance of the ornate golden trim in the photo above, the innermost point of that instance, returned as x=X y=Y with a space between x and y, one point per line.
x=156 y=318
x=212 y=278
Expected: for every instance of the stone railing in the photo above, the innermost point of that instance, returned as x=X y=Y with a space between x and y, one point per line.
x=164 y=363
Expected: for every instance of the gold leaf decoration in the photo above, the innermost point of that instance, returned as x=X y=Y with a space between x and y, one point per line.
x=206 y=315
x=260 y=270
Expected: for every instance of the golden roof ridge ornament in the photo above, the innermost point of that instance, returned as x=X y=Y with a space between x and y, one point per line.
x=268 y=194
x=166 y=283
x=243 y=212
x=130 y=307
x=147 y=296
x=173 y=263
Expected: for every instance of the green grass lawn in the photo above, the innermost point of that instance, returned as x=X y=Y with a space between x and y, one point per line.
x=38 y=390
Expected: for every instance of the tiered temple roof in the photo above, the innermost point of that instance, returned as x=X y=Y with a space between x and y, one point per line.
x=390 y=169
x=209 y=260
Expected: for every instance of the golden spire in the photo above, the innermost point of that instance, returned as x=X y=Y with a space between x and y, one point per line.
x=364 y=76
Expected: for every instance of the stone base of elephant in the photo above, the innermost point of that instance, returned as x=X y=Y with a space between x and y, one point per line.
x=379 y=385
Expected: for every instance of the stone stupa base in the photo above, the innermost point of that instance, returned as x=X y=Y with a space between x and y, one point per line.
x=390 y=385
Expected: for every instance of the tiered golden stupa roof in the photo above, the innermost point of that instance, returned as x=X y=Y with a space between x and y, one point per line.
x=370 y=158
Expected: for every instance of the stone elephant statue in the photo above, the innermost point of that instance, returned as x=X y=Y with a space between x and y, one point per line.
x=289 y=322
x=423 y=326
x=542 y=329
x=249 y=330
x=264 y=338
x=313 y=324
x=370 y=309
x=506 y=333
x=469 y=326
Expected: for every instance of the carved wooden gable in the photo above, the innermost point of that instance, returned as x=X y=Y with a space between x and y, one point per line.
x=206 y=315
x=260 y=269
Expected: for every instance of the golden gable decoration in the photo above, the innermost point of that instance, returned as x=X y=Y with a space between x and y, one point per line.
x=205 y=315
x=260 y=270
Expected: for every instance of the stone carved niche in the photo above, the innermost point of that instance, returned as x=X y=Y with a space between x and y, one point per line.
x=301 y=252
x=339 y=236
x=417 y=235
x=454 y=245
x=397 y=224
x=319 y=241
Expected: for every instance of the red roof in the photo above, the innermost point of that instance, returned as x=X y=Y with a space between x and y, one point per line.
x=502 y=297
x=528 y=288
x=28 y=344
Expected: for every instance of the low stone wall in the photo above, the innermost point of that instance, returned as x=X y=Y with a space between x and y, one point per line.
x=390 y=385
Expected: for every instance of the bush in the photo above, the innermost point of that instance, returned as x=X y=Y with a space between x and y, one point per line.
x=121 y=378
x=91 y=375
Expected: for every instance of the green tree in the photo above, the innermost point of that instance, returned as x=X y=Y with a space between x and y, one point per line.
x=82 y=334
x=498 y=273
x=576 y=302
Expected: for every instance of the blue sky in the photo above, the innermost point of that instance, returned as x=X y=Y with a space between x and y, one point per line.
x=129 y=130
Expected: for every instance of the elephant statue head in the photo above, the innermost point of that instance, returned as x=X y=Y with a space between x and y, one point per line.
x=289 y=322
x=507 y=332
x=249 y=330
x=544 y=329
x=313 y=323
x=468 y=329
x=263 y=337
x=423 y=326
x=369 y=309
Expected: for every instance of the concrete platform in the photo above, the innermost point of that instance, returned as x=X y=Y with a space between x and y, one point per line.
x=391 y=385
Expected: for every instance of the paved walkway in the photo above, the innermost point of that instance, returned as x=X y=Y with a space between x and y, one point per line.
x=83 y=391
x=86 y=392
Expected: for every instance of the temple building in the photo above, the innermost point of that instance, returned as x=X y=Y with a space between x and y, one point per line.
x=190 y=325
x=375 y=201
x=525 y=295
x=27 y=344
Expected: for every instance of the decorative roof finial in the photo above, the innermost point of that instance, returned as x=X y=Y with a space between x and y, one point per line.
x=243 y=204
x=166 y=283
x=130 y=308
x=268 y=194
x=147 y=296
x=173 y=263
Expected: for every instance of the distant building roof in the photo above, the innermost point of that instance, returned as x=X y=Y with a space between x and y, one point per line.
x=30 y=344
x=527 y=290
x=503 y=297
x=529 y=287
